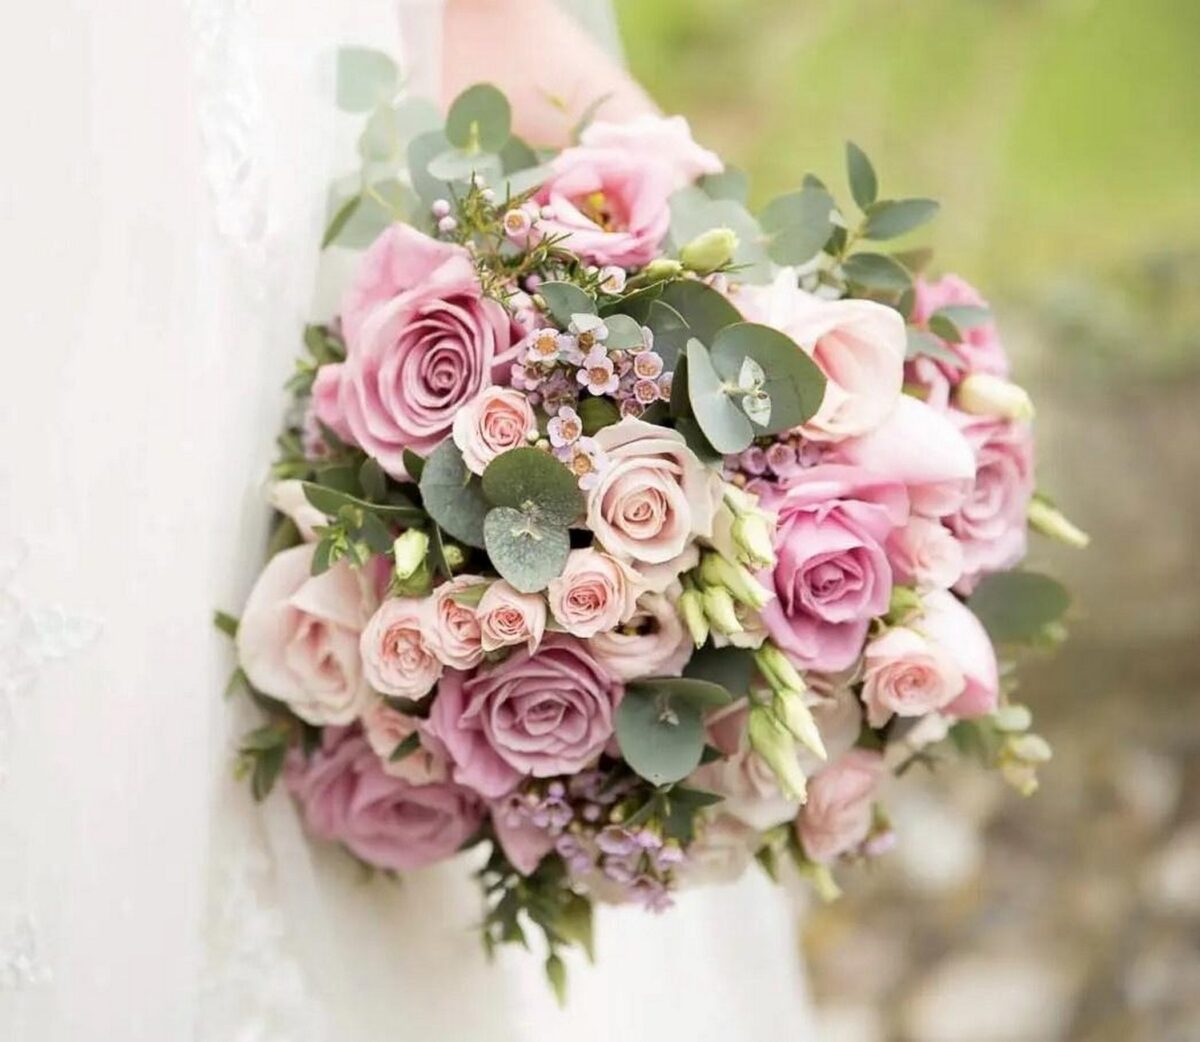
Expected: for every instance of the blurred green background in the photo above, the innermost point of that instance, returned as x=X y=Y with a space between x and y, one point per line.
x=1063 y=139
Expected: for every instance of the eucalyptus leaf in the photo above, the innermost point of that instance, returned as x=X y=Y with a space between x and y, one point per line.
x=339 y=220
x=692 y=691
x=421 y=151
x=330 y=502
x=889 y=218
x=965 y=316
x=597 y=413
x=661 y=740
x=452 y=494
x=799 y=225
x=373 y=480
x=365 y=78
x=456 y=164
x=732 y=668
x=705 y=311
x=565 y=299
x=413 y=464
x=724 y=424
x=623 y=333
x=533 y=481
x=391 y=127
x=406 y=747
x=525 y=551
x=942 y=326
x=521 y=182
x=480 y=118
x=670 y=331
x=517 y=155
x=794 y=383
x=730 y=183
x=864 y=186
x=923 y=343
x=1016 y=607
x=877 y=271
x=696 y=441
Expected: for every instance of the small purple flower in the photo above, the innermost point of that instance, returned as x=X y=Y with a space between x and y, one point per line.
x=665 y=383
x=565 y=428
x=647 y=365
x=753 y=461
x=646 y=392
x=596 y=372
x=615 y=840
x=618 y=871
x=781 y=458
x=524 y=378
x=631 y=407
x=668 y=855
x=651 y=894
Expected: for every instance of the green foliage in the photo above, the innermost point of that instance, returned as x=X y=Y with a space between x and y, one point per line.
x=524 y=550
x=877 y=271
x=731 y=668
x=565 y=299
x=864 y=185
x=660 y=725
x=597 y=413
x=694 y=212
x=365 y=78
x=923 y=343
x=799 y=224
x=888 y=219
x=480 y=119
x=533 y=481
x=1018 y=607
x=226 y=623
x=452 y=495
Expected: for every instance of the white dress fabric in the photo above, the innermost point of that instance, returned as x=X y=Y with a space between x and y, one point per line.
x=165 y=180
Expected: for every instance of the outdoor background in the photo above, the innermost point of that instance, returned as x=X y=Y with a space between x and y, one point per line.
x=1063 y=139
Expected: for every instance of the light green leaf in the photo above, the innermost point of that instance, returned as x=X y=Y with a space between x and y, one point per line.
x=922 y=343
x=661 y=739
x=330 y=501
x=452 y=494
x=864 y=185
x=455 y=164
x=521 y=181
x=340 y=219
x=523 y=550
x=480 y=118
x=723 y=423
x=365 y=78
x=623 y=333
x=670 y=332
x=892 y=217
x=799 y=225
x=705 y=311
x=556 y=974
x=1016 y=607
x=534 y=482
x=794 y=382
x=730 y=183
x=965 y=316
x=421 y=151
x=877 y=271
x=565 y=299
x=392 y=127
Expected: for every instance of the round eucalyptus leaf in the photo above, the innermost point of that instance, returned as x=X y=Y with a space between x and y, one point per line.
x=730 y=183
x=480 y=118
x=534 y=482
x=1016 y=607
x=421 y=151
x=565 y=299
x=660 y=739
x=452 y=494
x=731 y=668
x=794 y=383
x=596 y=413
x=693 y=691
x=623 y=333
x=456 y=164
x=365 y=78
x=705 y=311
x=670 y=331
x=722 y=421
x=524 y=551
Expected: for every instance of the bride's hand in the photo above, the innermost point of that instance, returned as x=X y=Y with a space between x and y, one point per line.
x=549 y=68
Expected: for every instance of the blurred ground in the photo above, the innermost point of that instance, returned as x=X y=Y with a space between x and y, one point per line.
x=1063 y=139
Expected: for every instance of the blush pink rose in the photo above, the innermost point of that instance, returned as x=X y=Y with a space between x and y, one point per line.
x=499 y=419
x=540 y=714
x=523 y=843
x=924 y=554
x=508 y=617
x=298 y=638
x=991 y=522
x=612 y=205
x=347 y=797
x=422 y=342
x=653 y=642
x=654 y=498
x=385 y=728
x=837 y=818
x=656 y=139
x=594 y=593
x=951 y=625
x=454 y=634
x=397 y=653
x=859 y=346
x=832 y=574
x=906 y=674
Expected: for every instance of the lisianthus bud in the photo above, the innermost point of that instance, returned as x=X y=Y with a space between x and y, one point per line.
x=455 y=556
x=715 y=570
x=720 y=610
x=710 y=250
x=1052 y=522
x=778 y=669
x=1030 y=748
x=1012 y=718
x=752 y=540
x=662 y=268
x=983 y=394
x=903 y=605
x=691 y=608
x=410 y=551
x=791 y=711
x=823 y=882
x=774 y=743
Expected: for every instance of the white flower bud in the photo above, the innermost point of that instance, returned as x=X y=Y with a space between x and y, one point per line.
x=791 y=711
x=774 y=744
x=983 y=394
x=710 y=250
x=410 y=551
x=1053 y=523
x=691 y=608
x=720 y=610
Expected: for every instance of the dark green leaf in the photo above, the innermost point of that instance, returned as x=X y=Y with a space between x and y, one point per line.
x=670 y=331
x=372 y=479
x=732 y=668
x=705 y=310
x=365 y=78
x=688 y=690
x=531 y=480
x=480 y=118
x=696 y=441
x=942 y=326
x=524 y=551
x=556 y=974
x=799 y=224
x=794 y=382
x=413 y=464
x=340 y=219
x=916 y=261
x=322 y=557
x=565 y=299
x=329 y=501
x=452 y=494
x=226 y=623
x=723 y=423
x=864 y=186
x=661 y=741
x=406 y=748
x=1016 y=607
x=965 y=316
x=268 y=765
x=596 y=413
x=877 y=271
x=892 y=217
x=922 y=343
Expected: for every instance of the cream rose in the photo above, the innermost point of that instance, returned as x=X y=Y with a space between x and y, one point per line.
x=907 y=675
x=385 y=728
x=652 y=642
x=594 y=593
x=454 y=633
x=508 y=617
x=298 y=638
x=496 y=420
x=396 y=653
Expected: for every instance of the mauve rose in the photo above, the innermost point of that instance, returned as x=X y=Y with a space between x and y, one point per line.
x=652 y=642
x=991 y=522
x=385 y=728
x=837 y=818
x=348 y=798
x=523 y=843
x=397 y=655
x=906 y=674
x=422 y=341
x=924 y=554
x=540 y=714
x=497 y=420
x=612 y=205
x=859 y=346
x=454 y=634
x=831 y=574
x=654 y=498
x=656 y=139
x=947 y=622
x=298 y=637
x=507 y=617
x=594 y=593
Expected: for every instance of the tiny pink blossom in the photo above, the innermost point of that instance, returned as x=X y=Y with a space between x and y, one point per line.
x=646 y=392
x=648 y=365
x=586 y=461
x=612 y=279
x=565 y=428
x=631 y=407
x=753 y=460
x=781 y=458
x=596 y=372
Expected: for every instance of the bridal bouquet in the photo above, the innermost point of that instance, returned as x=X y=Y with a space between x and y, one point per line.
x=627 y=534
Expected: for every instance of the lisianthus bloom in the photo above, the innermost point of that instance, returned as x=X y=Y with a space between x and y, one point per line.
x=299 y=635
x=422 y=342
x=651 y=642
x=837 y=817
x=666 y=140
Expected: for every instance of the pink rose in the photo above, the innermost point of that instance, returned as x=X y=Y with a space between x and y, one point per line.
x=385 y=728
x=498 y=420
x=920 y=447
x=397 y=654
x=906 y=674
x=723 y=849
x=923 y=553
x=654 y=498
x=952 y=626
x=523 y=843
x=991 y=522
x=347 y=798
x=612 y=204
x=454 y=634
x=540 y=714
x=859 y=346
x=656 y=139
x=831 y=575
x=652 y=643
x=507 y=617
x=981 y=349
x=422 y=342
x=594 y=593
x=298 y=638
x=837 y=817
